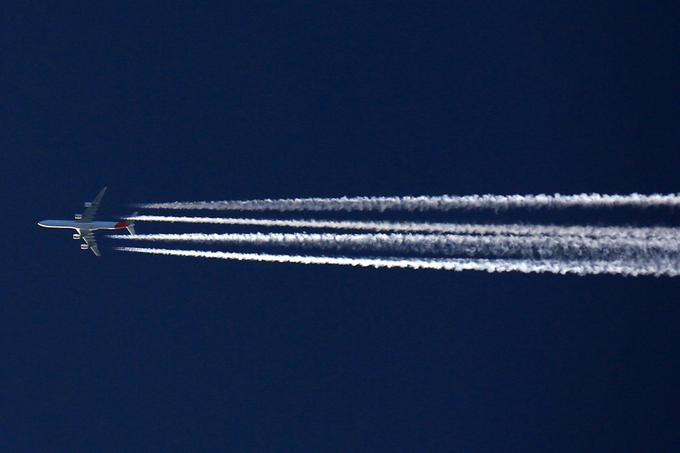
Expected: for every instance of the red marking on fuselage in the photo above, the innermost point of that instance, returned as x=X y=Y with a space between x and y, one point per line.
x=121 y=224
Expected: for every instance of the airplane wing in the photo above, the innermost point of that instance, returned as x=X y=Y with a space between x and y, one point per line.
x=92 y=207
x=91 y=242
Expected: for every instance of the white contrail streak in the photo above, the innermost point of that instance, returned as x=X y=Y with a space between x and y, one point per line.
x=447 y=244
x=625 y=268
x=429 y=203
x=427 y=227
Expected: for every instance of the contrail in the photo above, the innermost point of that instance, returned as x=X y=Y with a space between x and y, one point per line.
x=427 y=227
x=431 y=203
x=447 y=244
x=624 y=268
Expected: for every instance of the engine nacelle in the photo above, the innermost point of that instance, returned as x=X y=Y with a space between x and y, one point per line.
x=76 y=236
x=84 y=246
x=87 y=204
x=78 y=216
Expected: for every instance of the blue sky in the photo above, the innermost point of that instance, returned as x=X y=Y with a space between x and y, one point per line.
x=214 y=101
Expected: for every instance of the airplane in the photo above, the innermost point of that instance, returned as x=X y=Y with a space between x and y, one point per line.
x=85 y=225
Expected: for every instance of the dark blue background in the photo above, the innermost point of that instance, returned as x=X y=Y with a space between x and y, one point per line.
x=191 y=101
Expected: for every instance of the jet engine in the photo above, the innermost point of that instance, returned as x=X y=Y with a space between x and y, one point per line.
x=78 y=216
x=84 y=246
x=76 y=236
x=87 y=204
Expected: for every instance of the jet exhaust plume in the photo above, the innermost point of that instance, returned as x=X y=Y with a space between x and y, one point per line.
x=428 y=227
x=624 y=268
x=431 y=203
x=446 y=244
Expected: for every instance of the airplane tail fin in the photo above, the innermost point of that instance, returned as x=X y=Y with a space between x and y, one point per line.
x=131 y=225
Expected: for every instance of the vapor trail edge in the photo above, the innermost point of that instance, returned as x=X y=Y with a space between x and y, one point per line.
x=525 y=266
x=544 y=247
x=426 y=227
x=430 y=203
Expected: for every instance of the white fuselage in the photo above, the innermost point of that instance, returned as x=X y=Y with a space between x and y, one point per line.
x=82 y=226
